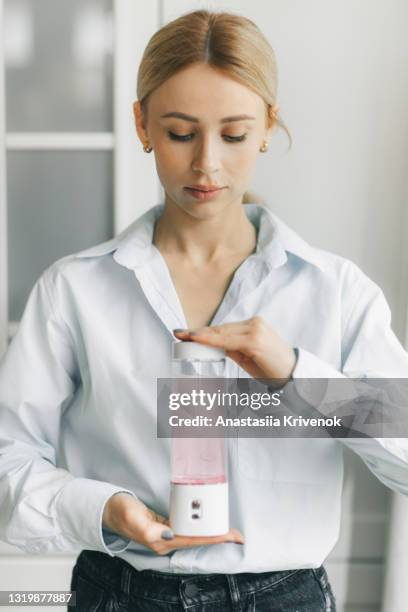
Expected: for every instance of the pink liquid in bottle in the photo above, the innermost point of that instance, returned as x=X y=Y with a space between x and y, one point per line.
x=199 y=484
x=198 y=461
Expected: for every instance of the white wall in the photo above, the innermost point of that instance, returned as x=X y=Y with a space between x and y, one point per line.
x=343 y=94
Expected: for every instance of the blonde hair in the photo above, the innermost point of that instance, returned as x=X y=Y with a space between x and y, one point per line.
x=231 y=43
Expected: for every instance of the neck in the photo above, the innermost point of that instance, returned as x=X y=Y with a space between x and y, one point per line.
x=205 y=240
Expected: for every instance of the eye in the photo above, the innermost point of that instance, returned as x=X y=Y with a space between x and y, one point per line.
x=180 y=137
x=188 y=137
x=235 y=138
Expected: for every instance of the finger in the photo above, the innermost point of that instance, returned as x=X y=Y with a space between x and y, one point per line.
x=233 y=536
x=154 y=532
x=225 y=328
x=238 y=327
x=180 y=333
x=160 y=519
x=235 y=342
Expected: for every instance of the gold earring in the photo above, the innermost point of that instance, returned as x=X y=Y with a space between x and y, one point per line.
x=147 y=148
x=264 y=147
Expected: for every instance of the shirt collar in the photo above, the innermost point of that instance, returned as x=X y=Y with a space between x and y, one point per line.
x=133 y=247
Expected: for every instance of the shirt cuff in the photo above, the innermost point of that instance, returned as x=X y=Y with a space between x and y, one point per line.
x=79 y=510
x=310 y=366
x=113 y=543
x=326 y=389
x=280 y=383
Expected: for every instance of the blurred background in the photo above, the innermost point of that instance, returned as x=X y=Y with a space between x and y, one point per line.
x=73 y=174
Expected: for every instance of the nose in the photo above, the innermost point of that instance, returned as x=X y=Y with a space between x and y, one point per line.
x=206 y=159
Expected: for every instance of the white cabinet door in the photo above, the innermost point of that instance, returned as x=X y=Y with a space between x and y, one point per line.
x=76 y=173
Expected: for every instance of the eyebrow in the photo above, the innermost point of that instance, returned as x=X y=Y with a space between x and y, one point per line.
x=196 y=120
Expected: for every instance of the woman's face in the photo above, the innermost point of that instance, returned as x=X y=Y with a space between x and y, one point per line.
x=206 y=130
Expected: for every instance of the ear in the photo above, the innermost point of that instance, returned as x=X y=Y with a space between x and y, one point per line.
x=139 y=122
x=271 y=121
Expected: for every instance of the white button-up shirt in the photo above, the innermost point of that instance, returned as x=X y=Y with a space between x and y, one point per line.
x=78 y=400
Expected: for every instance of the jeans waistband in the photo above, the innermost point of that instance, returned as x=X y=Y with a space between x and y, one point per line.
x=119 y=574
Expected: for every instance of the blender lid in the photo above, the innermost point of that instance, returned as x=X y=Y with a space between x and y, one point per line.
x=195 y=350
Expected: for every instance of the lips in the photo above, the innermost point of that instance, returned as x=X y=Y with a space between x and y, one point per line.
x=204 y=193
x=204 y=187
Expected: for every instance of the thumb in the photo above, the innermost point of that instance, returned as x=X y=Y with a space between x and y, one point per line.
x=235 y=536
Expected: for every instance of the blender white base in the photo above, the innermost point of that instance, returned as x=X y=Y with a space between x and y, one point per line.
x=199 y=509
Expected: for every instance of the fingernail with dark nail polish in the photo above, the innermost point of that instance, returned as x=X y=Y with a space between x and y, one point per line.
x=167 y=535
x=179 y=330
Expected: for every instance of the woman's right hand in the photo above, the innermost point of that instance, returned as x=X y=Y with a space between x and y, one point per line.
x=129 y=517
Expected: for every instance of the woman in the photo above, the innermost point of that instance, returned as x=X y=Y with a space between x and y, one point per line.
x=81 y=466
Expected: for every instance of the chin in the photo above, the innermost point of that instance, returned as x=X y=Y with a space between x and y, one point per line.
x=199 y=209
x=205 y=211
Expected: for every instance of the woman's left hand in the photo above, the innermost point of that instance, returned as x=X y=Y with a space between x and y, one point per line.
x=253 y=344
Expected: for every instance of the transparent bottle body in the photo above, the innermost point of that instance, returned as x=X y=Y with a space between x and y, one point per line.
x=199 y=460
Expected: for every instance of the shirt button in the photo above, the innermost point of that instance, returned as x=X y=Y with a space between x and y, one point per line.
x=191 y=589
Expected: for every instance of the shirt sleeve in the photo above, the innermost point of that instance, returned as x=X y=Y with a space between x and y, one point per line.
x=370 y=349
x=44 y=508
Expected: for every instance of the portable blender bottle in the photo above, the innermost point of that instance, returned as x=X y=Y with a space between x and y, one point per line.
x=199 y=484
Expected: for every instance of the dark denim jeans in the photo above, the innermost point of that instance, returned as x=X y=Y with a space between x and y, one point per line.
x=109 y=584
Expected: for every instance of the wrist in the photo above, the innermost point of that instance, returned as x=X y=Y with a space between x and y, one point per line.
x=284 y=375
x=111 y=509
x=287 y=365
